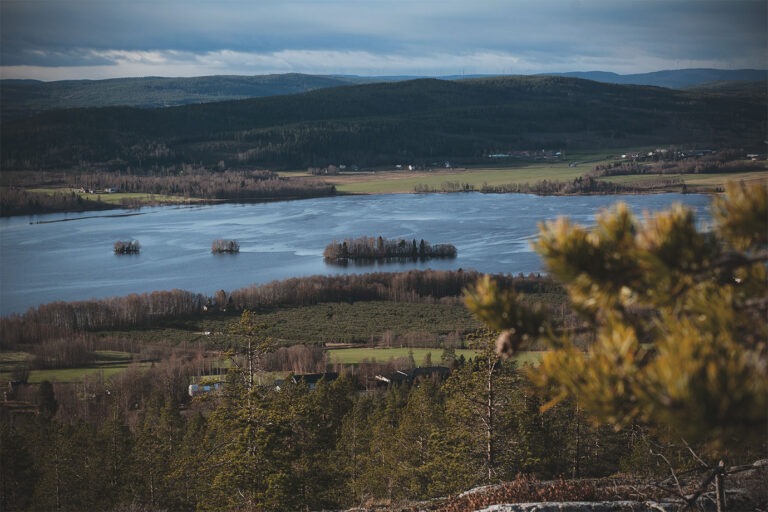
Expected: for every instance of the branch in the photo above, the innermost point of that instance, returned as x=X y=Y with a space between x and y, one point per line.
x=691 y=499
x=695 y=456
x=733 y=259
x=672 y=472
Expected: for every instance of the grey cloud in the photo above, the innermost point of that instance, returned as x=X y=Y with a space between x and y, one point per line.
x=571 y=33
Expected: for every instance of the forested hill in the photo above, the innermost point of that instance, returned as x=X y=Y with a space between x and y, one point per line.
x=25 y=97
x=418 y=121
x=21 y=98
x=675 y=78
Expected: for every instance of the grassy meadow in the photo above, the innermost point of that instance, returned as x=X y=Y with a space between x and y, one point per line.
x=358 y=355
x=106 y=369
x=403 y=182
x=694 y=182
x=365 y=325
x=361 y=322
x=107 y=364
x=121 y=198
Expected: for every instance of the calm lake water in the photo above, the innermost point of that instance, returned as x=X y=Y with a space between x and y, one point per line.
x=68 y=257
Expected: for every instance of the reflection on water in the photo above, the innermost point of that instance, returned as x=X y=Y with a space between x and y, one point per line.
x=43 y=259
x=370 y=263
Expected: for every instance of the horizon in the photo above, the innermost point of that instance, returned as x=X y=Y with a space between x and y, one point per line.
x=387 y=77
x=55 y=40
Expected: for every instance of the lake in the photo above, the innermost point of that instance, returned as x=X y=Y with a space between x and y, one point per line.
x=68 y=257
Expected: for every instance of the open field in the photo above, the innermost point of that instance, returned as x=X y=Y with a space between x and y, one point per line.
x=121 y=198
x=73 y=374
x=107 y=364
x=117 y=362
x=403 y=182
x=691 y=180
x=383 y=355
x=358 y=322
x=388 y=180
x=397 y=181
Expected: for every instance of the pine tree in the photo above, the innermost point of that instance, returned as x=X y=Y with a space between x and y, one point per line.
x=353 y=453
x=421 y=425
x=47 y=405
x=18 y=474
x=157 y=439
x=115 y=444
x=479 y=408
x=673 y=318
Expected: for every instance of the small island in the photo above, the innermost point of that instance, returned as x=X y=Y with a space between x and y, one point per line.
x=381 y=249
x=127 y=247
x=225 y=246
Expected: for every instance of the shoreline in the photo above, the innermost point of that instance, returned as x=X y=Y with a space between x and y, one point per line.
x=213 y=202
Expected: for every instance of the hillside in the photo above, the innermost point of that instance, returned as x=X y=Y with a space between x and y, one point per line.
x=21 y=98
x=418 y=121
x=675 y=78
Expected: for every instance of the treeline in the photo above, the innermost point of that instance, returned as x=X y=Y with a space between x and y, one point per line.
x=411 y=286
x=726 y=161
x=60 y=319
x=137 y=441
x=190 y=182
x=17 y=201
x=128 y=444
x=580 y=185
x=56 y=319
x=369 y=248
x=80 y=191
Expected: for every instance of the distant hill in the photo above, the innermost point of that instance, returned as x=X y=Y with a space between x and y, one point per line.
x=418 y=121
x=20 y=98
x=674 y=79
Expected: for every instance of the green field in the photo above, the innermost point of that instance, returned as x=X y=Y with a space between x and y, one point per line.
x=359 y=322
x=137 y=197
x=106 y=364
x=111 y=363
x=391 y=182
x=708 y=180
x=121 y=198
x=383 y=355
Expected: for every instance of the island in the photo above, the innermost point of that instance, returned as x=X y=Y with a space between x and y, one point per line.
x=220 y=246
x=381 y=249
x=127 y=247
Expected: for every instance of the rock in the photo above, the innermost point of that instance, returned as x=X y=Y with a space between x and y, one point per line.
x=585 y=506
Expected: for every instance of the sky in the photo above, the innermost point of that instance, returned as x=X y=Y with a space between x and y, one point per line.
x=95 y=39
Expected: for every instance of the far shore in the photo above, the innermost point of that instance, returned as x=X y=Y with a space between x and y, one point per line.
x=382 y=182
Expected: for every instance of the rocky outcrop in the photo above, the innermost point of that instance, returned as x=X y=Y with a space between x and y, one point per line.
x=585 y=506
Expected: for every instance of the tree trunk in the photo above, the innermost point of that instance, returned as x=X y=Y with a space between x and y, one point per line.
x=720 y=486
x=489 y=413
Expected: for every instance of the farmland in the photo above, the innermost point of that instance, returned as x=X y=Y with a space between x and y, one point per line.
x=420 y=355
x=107 y=363
x=403 y=182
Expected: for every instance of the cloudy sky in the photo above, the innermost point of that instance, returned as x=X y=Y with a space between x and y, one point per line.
x=68 y=39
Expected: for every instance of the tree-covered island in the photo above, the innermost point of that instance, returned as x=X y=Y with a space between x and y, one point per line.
x=127 y=247
x=220 y=246
x=378 y=249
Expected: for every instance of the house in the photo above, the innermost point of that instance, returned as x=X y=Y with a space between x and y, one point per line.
x=310 y=379
x=202 y=389
x=414 y=375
